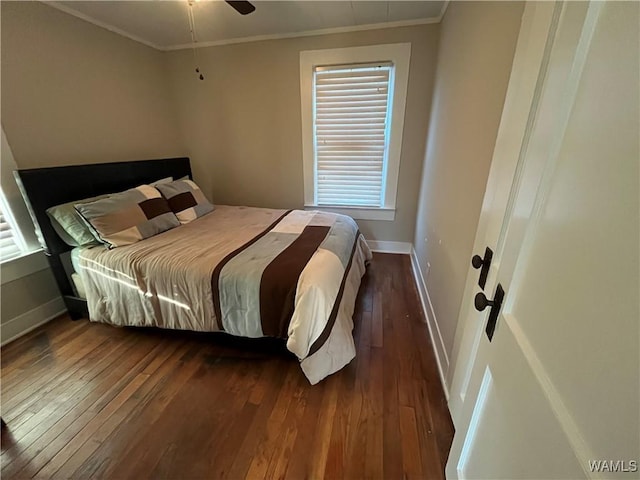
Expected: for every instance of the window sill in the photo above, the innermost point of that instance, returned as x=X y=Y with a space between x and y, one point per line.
x=26 y=264
x=358 y=213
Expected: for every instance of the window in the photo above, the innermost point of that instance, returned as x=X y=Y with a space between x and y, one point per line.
x=351 y=112
x=11 y=243
x=20 y=251
x=353 y=103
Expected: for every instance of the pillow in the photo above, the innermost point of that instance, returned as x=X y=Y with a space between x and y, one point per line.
x=186 y=200
x=130 y=216
x=70 y=226
x=161 y=181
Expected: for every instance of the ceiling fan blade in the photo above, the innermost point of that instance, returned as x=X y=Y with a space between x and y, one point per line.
x=241 y=6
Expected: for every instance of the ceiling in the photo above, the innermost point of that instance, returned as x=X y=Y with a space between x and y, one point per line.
x=164 y=24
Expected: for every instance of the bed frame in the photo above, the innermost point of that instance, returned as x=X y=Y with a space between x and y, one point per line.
x=43 y=188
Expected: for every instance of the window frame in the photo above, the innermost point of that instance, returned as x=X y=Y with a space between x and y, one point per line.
x=32 y=259
x=16 y=234
x=399 y=54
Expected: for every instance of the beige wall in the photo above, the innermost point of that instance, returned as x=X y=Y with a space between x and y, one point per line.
x=27 y=293
x=26 y=302
x=477 y=44
x=243 y=128
x=76 y=93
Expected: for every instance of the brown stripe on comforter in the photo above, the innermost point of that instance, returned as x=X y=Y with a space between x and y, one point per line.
x=315 y=346
x=215 y=277
x=280 y=278
x=255 y=287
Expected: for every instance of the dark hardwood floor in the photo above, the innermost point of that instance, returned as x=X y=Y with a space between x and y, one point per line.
x=87 y=400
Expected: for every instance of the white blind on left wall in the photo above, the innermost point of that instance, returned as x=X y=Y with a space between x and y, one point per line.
x=9 y=247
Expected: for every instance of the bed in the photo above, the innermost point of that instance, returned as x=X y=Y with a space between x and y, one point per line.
x=249 y=272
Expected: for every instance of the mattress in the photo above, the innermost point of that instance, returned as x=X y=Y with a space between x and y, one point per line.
x=249 y=272
x=76 y=278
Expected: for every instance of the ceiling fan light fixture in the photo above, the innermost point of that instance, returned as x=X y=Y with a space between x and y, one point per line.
x=194 y=38
x=241 y=6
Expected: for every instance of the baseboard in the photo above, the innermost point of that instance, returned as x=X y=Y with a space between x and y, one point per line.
x=23 y=324
x=442 y=359
x=382 y=246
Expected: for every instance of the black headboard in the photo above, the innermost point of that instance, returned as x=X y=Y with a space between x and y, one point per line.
x=43 y=188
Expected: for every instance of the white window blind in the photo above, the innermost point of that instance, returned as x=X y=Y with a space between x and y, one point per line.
x=351 y=128
x=9 y=246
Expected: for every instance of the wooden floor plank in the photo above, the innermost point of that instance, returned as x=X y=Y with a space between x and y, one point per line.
x=92 y=428
x=139 y=423
x=264 y=453
x=44 y=377
x=323 y=429
x=147 y=381
x=291 y=427
x=27 y=349
x=411 y=458
x=432 y=462
x=264 y=404
x=48 y=409
x=375 y=426
x=37 y=455
x=86 y=400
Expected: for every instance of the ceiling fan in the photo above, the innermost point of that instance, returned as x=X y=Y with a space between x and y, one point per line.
x=243 y=7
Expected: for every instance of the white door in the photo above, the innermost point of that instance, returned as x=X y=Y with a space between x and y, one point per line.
x=556 y=392
x=530 y=65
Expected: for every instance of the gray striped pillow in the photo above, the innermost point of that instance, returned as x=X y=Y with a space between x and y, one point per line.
x=186 y=200
x=128 y=217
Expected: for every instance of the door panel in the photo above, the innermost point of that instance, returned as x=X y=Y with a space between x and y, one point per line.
x=515 y=426
x=580 y=273
x=544 y=113
x=559 y=385
x=546 y=131
x=515 y=126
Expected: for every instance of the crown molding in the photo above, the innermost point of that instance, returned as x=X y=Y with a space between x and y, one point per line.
x=443 y=11
x=307 y=33
x=255 y=38
x=98 y=23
